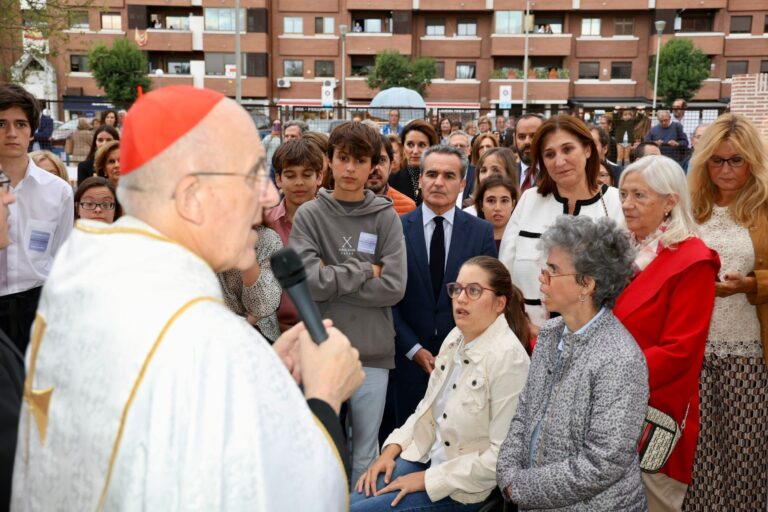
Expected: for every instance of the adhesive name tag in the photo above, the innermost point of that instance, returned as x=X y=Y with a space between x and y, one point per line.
x=367 y=243
x=38 y=241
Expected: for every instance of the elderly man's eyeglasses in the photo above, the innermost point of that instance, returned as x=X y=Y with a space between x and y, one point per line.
x=547 y=275
x=733 y=162
x=5 y=183
x=88 y=205
x=256 y=178
x=473 y=290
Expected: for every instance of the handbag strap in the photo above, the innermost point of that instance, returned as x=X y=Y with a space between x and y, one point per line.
x=687 y=408
x=605 y=208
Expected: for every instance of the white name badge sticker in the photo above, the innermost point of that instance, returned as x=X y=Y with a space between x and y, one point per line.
x=367 y=243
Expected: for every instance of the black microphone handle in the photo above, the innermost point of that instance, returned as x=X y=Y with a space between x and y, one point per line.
x=302 y=299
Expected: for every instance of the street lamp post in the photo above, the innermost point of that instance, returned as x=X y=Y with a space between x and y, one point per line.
x=525 y=56
x=238 y=56
x=343 y=33
x=659 y=30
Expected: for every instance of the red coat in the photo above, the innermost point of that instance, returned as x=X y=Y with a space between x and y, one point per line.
x=667 y=308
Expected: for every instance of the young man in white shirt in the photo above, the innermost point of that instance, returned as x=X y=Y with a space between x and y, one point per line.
x=40 y=220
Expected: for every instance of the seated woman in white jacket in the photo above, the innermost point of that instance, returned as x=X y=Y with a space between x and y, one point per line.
x=444 y=456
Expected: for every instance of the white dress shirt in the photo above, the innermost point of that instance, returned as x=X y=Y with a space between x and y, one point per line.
x=428 y=217
x=40 y=221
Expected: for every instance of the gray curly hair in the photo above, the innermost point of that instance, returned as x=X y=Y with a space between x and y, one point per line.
x=599 y=249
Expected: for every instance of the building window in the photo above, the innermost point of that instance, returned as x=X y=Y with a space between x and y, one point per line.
x=741 y=24
x=590 y=27
x=362 y=65
x=621 y=70
x=467 y=28
x=324 y=25
x=509 y=22
x=177 y=22
x=78 y=63
x=223 y=20
x=293 y=25
x=764 y=66
x=216 y=63
x=548 y=23
x=293 y=68
x=765 y=25
x=589 y=70
x=324 y=68
x=372 y=22
x=79 y=20
x=736 y=67
x=624 y=27
x=465 y=70
x=111 y=21
x=436 y=27
x=179 y=67
x=440 y=69
x=695 y=21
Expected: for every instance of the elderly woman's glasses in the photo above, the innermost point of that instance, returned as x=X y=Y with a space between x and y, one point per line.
x=547 y=275
x=733 y=162
x=88 y=205
x=5 y=182
x=473 y=290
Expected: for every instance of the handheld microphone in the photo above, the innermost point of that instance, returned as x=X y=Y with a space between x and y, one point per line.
x=289 y=271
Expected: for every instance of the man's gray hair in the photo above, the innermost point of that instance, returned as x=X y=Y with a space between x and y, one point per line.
x=461 y=133
x=445 y=149
x=296 y=122
x=598 y=248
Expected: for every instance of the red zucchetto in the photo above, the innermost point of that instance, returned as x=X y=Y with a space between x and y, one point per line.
x=160 y=118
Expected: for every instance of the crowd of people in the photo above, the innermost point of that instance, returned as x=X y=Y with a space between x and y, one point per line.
x=513 y=313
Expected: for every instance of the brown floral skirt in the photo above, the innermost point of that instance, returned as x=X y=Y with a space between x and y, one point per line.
x=730 y=472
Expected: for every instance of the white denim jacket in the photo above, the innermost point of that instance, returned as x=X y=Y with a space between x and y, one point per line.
x=477 y=415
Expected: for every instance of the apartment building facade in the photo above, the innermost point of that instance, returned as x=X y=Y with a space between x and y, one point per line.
x=589 y=53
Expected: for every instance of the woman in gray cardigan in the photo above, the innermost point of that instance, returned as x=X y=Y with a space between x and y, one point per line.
x=572 y=444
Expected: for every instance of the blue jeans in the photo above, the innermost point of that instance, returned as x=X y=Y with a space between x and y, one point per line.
x=417 y=501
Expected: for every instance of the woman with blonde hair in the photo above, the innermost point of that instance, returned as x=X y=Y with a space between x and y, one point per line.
x=107 y=162
x=48 y=161
x=729 y=189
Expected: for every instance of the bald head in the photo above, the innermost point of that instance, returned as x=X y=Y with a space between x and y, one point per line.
x=203 y=190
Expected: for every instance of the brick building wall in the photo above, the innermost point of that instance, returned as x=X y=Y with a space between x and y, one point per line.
x=749 y=97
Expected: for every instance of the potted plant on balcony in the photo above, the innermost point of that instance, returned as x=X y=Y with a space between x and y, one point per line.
x=519 y=74
x=563 y=73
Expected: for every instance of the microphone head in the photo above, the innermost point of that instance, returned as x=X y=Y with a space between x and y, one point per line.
x=287 y=267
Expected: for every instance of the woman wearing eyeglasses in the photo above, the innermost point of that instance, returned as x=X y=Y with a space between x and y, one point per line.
x=95 y=200
x=667 y=308
x=729 y=192
x=444 y=456
x=572 y=444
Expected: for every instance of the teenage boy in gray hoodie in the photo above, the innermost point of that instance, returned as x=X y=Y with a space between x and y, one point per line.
x=351 y=242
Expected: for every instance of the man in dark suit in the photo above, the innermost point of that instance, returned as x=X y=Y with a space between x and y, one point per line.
x=44 y=130
x=525 y=129
x=504 y=134
x=439 y=238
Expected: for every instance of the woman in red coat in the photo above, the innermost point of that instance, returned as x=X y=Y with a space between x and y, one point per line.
x=667 y=308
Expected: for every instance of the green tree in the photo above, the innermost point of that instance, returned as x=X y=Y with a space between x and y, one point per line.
x=682 y=68
x=119 y=71
x=393 y=69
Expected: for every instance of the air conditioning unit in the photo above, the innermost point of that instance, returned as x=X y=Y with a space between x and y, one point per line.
x=283 y=83
x=330 y=82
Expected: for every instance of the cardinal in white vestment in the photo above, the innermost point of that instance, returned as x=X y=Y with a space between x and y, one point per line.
x=144 y=392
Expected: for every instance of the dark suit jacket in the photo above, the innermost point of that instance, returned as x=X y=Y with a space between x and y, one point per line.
x=418 y=317
x=615 y=171
x=45 y=130
x=506 y=138
x=11 y=388
x=470 y=177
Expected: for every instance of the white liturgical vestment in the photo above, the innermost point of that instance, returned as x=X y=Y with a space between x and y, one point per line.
x=144 y=392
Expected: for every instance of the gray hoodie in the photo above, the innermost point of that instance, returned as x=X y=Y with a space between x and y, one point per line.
x=338 y=249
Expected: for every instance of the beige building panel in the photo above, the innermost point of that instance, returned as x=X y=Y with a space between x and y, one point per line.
x=604 y=48
x=451 y=47
x=361 y=44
